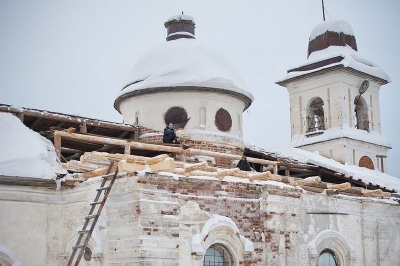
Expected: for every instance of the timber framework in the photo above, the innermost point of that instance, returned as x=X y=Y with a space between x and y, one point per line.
x=87 y=146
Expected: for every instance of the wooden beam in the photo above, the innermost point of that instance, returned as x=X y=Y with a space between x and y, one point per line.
x=154 y=147
x=57 y=145
x=307 y=181
x=64 y=117
x=83 y=127
x=34 y=122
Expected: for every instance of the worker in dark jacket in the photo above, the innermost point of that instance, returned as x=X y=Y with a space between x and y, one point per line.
x=243 y=164
x=170 y=135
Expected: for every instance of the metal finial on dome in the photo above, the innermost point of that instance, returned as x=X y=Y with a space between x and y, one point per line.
x=180 y=26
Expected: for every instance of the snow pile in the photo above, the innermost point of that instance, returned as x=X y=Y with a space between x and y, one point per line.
x=24 y=153
x=183 y=63
x=181 y=17
x=214 y=222
x=365 y=175
x=340 y=132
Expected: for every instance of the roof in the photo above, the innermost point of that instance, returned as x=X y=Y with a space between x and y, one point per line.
x=301 y=161
x=27 y=154
x=344 y=57
x=185 y=64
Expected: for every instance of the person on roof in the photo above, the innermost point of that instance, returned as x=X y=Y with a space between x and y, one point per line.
x=243 y=164
x=170 y=135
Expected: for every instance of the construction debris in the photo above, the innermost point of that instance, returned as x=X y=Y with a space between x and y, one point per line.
x=94 y=164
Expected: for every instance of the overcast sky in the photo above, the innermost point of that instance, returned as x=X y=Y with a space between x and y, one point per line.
x=75 y=56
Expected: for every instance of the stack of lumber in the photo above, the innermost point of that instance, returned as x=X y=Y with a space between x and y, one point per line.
x=314 y=184
x=92 y=164
x=203 y=169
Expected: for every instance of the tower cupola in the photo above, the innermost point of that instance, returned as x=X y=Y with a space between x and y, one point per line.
x=180 y=26
x=331 y=33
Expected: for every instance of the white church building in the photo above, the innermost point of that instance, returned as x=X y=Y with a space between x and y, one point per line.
x=76 y=190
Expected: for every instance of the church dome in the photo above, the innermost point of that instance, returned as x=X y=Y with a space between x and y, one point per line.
x=182 y=64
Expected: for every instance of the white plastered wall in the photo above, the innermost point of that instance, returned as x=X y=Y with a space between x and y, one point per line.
x=151 y=108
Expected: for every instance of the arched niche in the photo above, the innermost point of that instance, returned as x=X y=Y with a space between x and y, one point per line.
x=95 y=248
x=361 y=113
x=221 y=232
x=315 y=115
x=335 y=242
x=7 y=257
x=366 y=162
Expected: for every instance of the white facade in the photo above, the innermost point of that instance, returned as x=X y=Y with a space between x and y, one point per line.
x=143 y=224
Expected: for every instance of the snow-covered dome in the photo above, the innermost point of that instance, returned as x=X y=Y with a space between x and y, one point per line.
x=332 y=32
x=183 y=64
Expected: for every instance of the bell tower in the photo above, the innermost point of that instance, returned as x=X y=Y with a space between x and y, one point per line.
x=334 y=99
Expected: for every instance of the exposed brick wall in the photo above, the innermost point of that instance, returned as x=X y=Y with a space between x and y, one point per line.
x=239 y=201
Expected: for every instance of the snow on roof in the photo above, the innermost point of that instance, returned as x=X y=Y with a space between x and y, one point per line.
x=365 y=175
x=335 y=25
x=24 y=153
x=351 y=59
x=183 y=63
x=340 y=132
x=181 y=17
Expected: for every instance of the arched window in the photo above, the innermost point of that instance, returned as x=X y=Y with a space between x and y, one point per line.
x=327 y=258
x=315 y=115
x=361 y=110
x=217 y=255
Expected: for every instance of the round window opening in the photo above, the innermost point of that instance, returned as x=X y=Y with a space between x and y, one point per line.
x=217 y=255
x=177 y=116
x=223 y=120
x=327 y=258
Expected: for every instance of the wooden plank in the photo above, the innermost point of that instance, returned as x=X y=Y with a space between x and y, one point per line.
x=306 y=181
x=130 y=167
x=78 y=166
x=201 y=173
x=342 y=186
x=166 y=165
x=265 y=176
x=97 y=172
x=330 y=192
x=158 y=158
x=57 y=145
x=196 y=166
x=232 y=172
x=312 y=189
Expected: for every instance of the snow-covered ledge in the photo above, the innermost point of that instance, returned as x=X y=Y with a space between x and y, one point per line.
x=221 y=230
x=336 y=242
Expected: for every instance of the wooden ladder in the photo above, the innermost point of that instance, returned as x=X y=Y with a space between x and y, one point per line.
x=93 y=216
